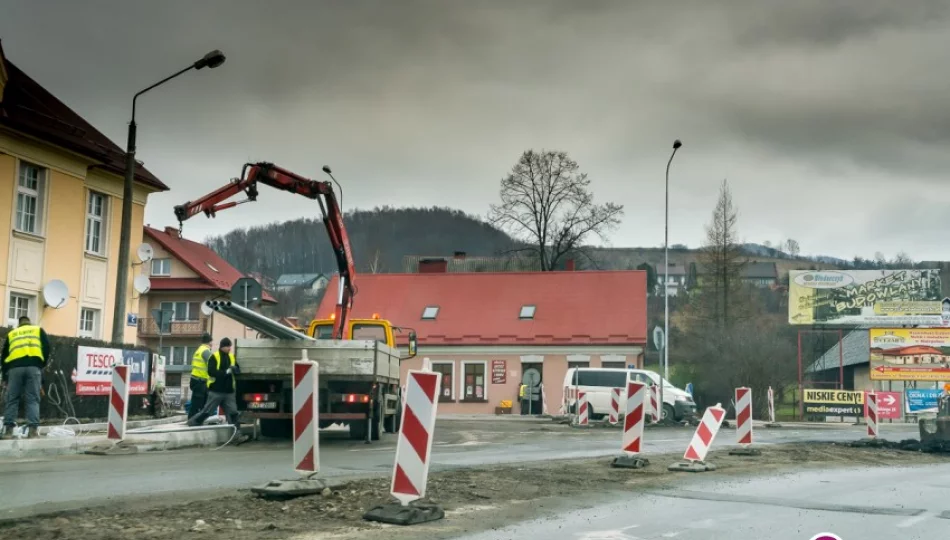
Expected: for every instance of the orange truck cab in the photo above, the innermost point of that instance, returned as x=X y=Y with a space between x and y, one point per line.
x=376 y=329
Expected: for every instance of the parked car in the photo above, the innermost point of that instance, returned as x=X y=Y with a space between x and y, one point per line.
x=597 y=383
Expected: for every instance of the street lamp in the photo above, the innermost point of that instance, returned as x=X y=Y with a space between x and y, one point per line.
x=211 y=60
x=666 y=276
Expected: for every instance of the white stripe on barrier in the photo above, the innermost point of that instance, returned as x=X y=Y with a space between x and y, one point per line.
x=655 y=402
x=614 y=414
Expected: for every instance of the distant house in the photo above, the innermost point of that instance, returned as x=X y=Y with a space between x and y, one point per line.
x=483 y=331
x=678 y=274
x=760 y=274
x=268 y=284
x=311 y=284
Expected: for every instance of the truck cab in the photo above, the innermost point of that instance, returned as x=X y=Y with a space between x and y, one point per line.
x=375 y=329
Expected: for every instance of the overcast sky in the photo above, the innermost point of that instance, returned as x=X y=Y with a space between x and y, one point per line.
x=830 y=122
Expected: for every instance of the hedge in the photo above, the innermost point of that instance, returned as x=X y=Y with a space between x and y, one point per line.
x=60 y=388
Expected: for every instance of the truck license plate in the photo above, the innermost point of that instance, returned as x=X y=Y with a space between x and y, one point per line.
x=262 y=405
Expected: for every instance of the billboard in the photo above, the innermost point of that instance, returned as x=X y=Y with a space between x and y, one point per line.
x=833 y=402
x=922 y=400
x=867 y=298
x=910 y=354
x=888 y=405
x=94 y=370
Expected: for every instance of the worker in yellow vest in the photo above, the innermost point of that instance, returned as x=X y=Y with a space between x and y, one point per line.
x=22 y=360
x=222 y=387
x=199 y=375
x=521 y=393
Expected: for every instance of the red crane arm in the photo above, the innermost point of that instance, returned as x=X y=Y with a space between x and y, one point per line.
x=276 y=177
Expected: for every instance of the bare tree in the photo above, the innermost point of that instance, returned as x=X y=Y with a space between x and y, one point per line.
x=375 y=265
x=722 y=261
x=902 y=260
x=792 y=248
x=546 y=202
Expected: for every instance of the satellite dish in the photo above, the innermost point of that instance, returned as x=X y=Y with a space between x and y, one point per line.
x=206 y=310
x=55 y=294
x=145 y=252
x=142 y=284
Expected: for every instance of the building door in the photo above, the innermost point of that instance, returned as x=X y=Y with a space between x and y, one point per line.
x=531 y=375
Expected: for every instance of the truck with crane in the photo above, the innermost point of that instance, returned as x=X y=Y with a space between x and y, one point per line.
x=358 y=359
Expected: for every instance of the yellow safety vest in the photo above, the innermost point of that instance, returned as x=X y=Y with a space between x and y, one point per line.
x=24 y=342
x=217 y=359
x=199 y=369
x=521 y=390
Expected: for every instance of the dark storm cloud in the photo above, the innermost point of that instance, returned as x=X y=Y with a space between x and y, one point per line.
x=795 y=97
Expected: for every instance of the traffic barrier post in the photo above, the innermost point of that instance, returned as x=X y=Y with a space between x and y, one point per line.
x=582 y=409
x=695 y=456
x=771 y=399
x=413 y=453
x=744 y=424
x=614 y=415
x=871 y=416
x=633 y=422
x=306 y=400
x=118 y=403
x=655 y=402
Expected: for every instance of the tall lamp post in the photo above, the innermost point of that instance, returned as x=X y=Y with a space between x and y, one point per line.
x=666 y=277
x=211 y=60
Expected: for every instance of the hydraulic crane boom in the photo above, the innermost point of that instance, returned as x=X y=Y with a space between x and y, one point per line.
x=271 y=175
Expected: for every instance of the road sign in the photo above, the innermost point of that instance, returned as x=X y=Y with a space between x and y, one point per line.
x=689 y=388
x=888 y=405
x=658 y=340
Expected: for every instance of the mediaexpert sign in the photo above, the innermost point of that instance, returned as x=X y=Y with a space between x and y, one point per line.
x=922 y=400
x=888 y=405
x=885 y=298
x=833 y=402
x=910 y=354
x=94 y=370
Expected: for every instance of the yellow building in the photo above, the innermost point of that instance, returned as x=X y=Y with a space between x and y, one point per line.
x=61 y=200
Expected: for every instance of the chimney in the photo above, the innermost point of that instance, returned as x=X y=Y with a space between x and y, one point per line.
x=433 y=266
x=172 y=231
x=569 y=265
x=459 y=255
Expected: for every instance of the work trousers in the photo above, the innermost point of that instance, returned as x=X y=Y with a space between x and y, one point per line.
x=23 y=382
x=199 y=395
x=215 y=400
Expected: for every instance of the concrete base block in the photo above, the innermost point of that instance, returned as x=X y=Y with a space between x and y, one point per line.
x=629 y=462
x=289 y=489
x=397 y=514
x=773 y=425
x=692 y=466
x=745 y=451
x=121 y=448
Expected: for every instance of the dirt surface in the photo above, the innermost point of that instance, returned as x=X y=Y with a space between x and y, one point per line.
x=474 y=499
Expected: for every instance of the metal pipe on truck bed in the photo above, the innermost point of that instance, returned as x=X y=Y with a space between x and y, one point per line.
x=256 y=321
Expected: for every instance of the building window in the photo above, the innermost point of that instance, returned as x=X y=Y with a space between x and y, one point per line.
x=161 y=267
x=430 y=312
x=182 y=311
x=29 y=198
x=473 y=381
x=447 y=371
x=178 y=355
x=20 y=306
x=95 y=219
x=89 y=323
x=527 y=312
x=613 y=365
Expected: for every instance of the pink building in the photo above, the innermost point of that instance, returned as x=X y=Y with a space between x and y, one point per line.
x=483 y=331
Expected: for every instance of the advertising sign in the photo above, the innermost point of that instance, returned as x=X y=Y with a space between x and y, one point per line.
x=833 y=402
x=910 y=354
x=94 y=370
x=922 y=400
x=884 y=298
x=498 y=373
x=888 y=405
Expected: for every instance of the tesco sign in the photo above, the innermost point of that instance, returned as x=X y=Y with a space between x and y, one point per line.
x=94 y=370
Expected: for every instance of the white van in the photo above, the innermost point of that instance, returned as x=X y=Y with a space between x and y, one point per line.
x=598 y=382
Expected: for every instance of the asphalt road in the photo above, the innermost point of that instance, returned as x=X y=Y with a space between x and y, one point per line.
x=48 y=484
x=891 y=503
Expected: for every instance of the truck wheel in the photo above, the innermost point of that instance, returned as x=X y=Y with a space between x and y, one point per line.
x=378 y=423
x=668 y=412
x=277 y=428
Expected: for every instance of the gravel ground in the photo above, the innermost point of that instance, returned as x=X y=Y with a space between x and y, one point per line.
x=474 y=499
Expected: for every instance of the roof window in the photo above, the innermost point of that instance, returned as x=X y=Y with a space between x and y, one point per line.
x=527 y=312
x=430 y=312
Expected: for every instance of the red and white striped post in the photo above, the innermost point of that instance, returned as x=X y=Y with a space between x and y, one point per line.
x=634 y=417
x=306 y=403
x=655 y=402
x=771 y=398
x=118 y=403
x=614 y=415
x=871 y=415
x=583 y=411
x=705 y=434
x=414 y=447
x=744 y=416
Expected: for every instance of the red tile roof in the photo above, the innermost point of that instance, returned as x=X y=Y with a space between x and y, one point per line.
x=200 y=258
x=572 y=308
x=29 y=108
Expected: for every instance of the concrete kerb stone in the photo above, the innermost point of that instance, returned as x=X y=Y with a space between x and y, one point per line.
x=101 y=426
x=692 y=466
x=745 y=451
